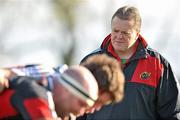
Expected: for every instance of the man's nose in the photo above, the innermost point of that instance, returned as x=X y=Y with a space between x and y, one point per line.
x=119 y=35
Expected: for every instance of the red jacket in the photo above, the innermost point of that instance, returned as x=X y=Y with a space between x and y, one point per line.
x=151 y=89
x=25 y=99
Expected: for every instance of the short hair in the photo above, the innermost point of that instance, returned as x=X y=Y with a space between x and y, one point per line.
x=108 y=73
x=129 y=13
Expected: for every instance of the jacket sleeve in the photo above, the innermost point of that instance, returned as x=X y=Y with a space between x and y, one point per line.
x=30 y=99
x=168 y=94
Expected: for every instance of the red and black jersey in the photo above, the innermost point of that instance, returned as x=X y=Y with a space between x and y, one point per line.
x=151 y=89
x=25 y=99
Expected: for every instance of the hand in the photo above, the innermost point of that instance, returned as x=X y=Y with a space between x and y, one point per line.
x=3 y=80
x=5 y=75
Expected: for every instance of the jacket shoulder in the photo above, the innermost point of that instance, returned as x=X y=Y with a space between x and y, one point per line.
x=97 y=51
x=153 y=53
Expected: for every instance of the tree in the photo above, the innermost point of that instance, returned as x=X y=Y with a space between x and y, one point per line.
x=65 y=12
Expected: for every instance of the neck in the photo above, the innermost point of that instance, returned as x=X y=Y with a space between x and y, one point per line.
x=61 y=113
x=126 y=54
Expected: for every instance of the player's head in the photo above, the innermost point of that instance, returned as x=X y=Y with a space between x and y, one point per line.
x=75 y=91
x=109 y=76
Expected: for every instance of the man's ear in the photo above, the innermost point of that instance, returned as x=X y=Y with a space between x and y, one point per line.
x=137 y=35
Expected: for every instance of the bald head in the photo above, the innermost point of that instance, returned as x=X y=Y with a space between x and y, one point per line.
x=80 y=82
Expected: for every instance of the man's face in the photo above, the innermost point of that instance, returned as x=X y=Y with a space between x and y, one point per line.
x=67 y=103
x=103 y=99
x=78 y=106
x=123 y=35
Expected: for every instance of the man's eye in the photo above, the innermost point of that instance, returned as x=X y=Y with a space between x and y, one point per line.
x=126 y=33
x=116 y=30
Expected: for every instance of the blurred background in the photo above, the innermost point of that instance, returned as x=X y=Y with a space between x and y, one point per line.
x=54 y=32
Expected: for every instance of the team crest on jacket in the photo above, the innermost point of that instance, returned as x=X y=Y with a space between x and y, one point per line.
x=145 y=75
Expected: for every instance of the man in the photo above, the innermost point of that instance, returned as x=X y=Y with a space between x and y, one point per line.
x=72 y=92
x=151 y=88
x=105 y=69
